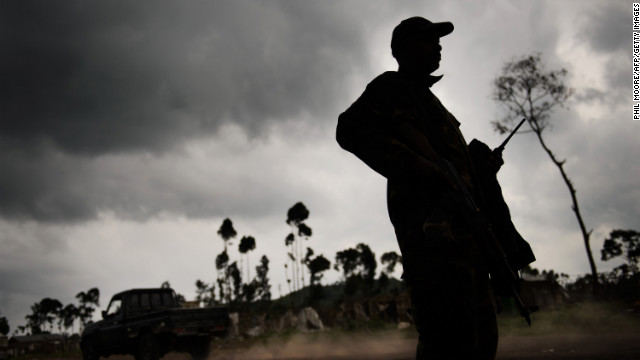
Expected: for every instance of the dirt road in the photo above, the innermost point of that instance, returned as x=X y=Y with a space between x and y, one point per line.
x=560 y=347
x=571 y=346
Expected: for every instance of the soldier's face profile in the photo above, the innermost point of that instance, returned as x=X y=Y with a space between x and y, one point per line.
x=428 y=48
x=424 y=52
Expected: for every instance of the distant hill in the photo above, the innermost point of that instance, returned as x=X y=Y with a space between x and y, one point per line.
x=331 y=295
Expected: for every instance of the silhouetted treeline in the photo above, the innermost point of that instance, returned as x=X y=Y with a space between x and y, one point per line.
x=49 y=314
x=357 y=265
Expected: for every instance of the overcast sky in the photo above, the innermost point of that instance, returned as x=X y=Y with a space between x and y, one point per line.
x=129 y=131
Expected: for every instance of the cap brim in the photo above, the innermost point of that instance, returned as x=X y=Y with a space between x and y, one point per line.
x=441 y=29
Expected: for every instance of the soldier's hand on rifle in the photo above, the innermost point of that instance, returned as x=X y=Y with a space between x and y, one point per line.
x=430 y=173
x=495 y=161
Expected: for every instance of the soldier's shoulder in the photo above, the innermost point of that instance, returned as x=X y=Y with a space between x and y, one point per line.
x=386 y=80
x=387 y=84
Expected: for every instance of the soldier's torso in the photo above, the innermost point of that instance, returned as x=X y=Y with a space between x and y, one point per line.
x=413 y=206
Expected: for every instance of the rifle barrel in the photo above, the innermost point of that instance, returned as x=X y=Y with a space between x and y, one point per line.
x=504 y=143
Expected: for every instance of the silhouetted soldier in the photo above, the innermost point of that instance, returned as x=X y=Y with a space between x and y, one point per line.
x=398 y=127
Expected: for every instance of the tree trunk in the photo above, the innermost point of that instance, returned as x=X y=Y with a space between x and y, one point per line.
x=585 y=234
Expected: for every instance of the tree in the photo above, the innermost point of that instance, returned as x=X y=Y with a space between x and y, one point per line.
x=247 y=243
x=368 y=262
x=221 y=291
x=528 y=91
x=288 y=241
x=50 y=310
x=296 y=215
x=233 y=275
x=4 y=326
x=20 y=330
x=179 y=297
x=249 y=291
x=222 y=261
x=390 y=259
x=550 y=275
x=624 y=244
x=87 y=301
x=68 y=316
x=35 y=320
x=205 y=293
x=263 y=289
x=358 y=267
x=348 y=260
x=317 y=266
x=43 y=312
x=226 y=232
x=360 y=261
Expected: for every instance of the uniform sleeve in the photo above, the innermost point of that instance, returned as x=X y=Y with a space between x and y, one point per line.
x=364 y=129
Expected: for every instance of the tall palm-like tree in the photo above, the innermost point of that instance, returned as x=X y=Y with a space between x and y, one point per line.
x=247 y=243
x=296 y=216
x=226 y=232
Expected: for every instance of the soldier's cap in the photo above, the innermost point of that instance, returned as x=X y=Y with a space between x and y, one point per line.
x=416 y=25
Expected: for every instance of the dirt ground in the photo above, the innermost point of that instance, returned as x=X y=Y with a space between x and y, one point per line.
x=585 y=347
x=611 y=346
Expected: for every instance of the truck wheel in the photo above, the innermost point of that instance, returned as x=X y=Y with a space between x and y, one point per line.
x=148 y=348
x=90 y=350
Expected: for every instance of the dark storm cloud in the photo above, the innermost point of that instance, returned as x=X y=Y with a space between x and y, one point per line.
x=119 y=76
x=606 y=27
x=80 y=81
x=56 y=187
x=41 y=188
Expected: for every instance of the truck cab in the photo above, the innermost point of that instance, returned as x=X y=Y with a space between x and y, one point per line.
x=148 y=323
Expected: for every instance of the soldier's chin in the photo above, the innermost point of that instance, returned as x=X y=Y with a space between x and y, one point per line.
x=434 y=66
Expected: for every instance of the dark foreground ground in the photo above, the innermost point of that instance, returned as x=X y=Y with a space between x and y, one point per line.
x=394 y=346
x=577 y=346
x=587 y=331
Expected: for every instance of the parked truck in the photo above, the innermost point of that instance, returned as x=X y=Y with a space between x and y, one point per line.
x=148 y=323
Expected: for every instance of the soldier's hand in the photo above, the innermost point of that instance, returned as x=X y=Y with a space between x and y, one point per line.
x=495 y=161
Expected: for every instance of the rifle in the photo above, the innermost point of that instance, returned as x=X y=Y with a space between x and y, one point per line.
x=501 y=270
x=460 y=201
x=500 y=148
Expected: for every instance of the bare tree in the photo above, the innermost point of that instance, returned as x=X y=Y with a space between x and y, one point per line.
x=528 y=91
